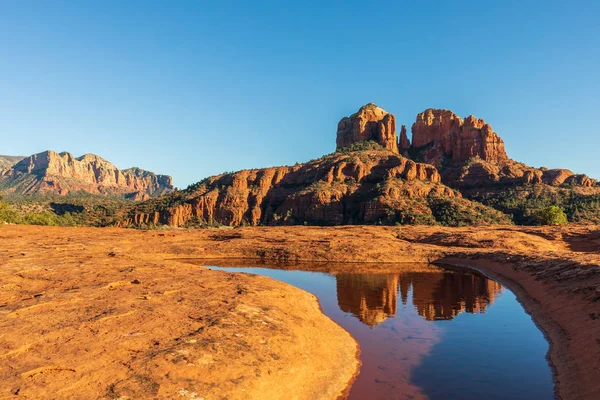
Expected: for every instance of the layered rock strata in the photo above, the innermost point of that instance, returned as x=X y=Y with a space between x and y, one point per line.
x=60 y=174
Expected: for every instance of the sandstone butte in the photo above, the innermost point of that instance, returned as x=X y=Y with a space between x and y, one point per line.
x=370 y=122
x=60 y=174
x=440 y=137
x=111 y=313
x=367 y=185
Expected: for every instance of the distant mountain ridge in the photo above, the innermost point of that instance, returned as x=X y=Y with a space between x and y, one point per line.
x=8 y=161
x=62 y=173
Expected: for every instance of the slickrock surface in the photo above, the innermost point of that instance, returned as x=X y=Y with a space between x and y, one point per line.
x=101 y=314
x=108 y=312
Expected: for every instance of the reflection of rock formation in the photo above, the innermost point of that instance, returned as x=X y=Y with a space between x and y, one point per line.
x=436 y=295
x=371 y=297
x=447 y=294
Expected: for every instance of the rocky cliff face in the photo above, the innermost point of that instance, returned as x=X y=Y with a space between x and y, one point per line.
x=442 y=134
x=53 y=173
x=469 y=154
x=403 y=143
x=370 y=122
x=366 y=187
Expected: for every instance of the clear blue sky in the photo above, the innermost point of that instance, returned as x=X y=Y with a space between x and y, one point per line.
x=195 y=88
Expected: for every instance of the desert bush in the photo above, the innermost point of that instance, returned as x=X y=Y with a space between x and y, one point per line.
x=458 y=212
x=446 y=213
x=44 y=218
x=8 y=214
x=361 y=146
x=552 y=215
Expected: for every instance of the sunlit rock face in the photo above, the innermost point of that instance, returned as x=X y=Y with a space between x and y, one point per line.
x=441 y=133
x=370 y=122
x=51 y=173
x=372 y=298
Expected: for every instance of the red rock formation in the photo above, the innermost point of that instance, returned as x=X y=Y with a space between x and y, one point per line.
x=53 y=173
x=369 y=123
x=441 y=133
x=556 y=177
x=404 y=143
x=364 y=187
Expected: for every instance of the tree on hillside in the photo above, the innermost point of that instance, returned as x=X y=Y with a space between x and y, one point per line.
x=552 y=215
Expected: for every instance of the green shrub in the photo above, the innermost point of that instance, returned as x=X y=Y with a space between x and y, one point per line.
x=8 y=214
x=446 y=213
x=44 y=218
x=526 y=203
x=552 y=215
x=361 y=146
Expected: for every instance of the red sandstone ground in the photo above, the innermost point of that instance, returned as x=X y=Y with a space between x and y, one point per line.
x=110 y=313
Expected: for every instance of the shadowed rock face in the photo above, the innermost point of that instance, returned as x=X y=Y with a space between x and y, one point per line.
x=369 y=123
x=403 y=143
x=373 y=298
x=61 y=174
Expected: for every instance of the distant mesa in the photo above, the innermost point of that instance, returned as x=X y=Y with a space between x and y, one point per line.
x=51 y=173
x=447 y=170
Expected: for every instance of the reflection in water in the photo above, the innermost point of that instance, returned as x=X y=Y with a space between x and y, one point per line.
x=436 y=295
x=371 y=297
x=408 y=348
